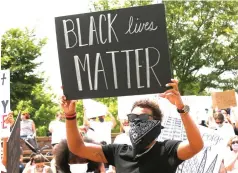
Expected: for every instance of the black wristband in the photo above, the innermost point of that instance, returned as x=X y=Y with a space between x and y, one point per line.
x=70 y=118
x=181 y=111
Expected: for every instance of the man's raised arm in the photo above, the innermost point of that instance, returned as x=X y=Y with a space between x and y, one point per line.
x=186 y=149
x=75 y=141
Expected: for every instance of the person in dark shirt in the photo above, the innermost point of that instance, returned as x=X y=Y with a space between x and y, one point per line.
x=146 y=154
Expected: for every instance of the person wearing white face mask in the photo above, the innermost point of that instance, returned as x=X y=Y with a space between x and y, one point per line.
x=231 y=161
x=225 y=130
x=67 y=162
x=78 y=168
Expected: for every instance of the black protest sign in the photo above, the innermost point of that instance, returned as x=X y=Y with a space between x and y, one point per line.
x=114 y=53
x=13 y=148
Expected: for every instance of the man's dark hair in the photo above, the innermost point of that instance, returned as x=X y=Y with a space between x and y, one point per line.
x=219 y=116
x=63 y=156
x=149 y=104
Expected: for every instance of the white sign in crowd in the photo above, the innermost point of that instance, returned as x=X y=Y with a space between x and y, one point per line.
x=4 y=101
x=4 y=107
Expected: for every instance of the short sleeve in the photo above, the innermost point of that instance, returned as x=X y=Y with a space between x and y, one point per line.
x=171 y=147
x=109 y=152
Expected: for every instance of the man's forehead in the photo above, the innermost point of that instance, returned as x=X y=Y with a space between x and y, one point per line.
x=140 y=110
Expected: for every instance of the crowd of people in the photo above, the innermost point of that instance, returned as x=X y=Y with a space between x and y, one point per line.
x=89 y=148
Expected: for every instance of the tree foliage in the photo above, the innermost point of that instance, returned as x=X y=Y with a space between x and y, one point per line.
x=20 y=49
x=203 y=44
x=203 y=40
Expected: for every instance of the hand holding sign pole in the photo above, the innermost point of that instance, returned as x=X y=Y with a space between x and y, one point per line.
x=114 y=53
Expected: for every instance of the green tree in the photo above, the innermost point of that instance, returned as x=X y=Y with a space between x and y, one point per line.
x=20 y=49
x=203 y=42
x=42 y=108
x=19 y=52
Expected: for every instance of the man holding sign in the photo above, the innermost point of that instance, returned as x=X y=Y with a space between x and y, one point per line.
x=146 y=155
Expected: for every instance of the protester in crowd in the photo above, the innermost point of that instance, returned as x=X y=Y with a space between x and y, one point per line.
x=211 y=119
x=102 y=129
x=228 y=118
x=123 y=138
x=28 y=131
x=146 y=155
x=9 y=119
x=57 y=128
x=234 y=112
x=67 y=162
x=87 y=130
x=27 y=125
x=30 y=163
x=231 y=159
x=225 y=130
x=4 y=154
x=38 y=165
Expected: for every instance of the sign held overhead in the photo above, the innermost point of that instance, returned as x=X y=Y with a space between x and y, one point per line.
x=114 y=53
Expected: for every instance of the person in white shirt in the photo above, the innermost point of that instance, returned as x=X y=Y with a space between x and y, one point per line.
x=228 y=118
x=102 y=129
x=58 y=129
x=123 y=138
x=225 y=130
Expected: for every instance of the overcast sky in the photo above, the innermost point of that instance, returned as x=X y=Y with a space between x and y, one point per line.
x=39 y=15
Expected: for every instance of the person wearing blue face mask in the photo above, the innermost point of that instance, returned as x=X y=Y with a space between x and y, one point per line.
x=146 y=154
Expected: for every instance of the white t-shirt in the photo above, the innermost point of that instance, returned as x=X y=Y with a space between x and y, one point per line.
x=102 y=131
x=58 y=129
x=226 y=131
x=122 y=138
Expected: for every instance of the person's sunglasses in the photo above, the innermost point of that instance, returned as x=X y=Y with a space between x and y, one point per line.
x=142 y=117
x=234 y=142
